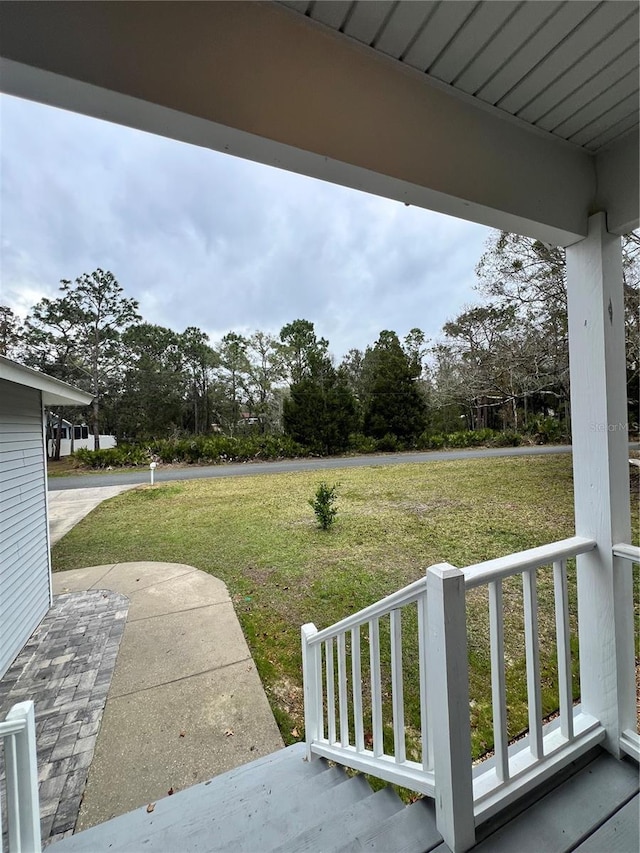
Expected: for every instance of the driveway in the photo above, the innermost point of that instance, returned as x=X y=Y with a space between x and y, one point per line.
x=67 y=508
x=197 y=472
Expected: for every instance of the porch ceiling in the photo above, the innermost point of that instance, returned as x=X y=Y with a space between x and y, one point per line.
x=526 y=119
x=570 y=69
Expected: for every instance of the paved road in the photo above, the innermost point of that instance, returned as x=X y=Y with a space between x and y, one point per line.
x=163 y=475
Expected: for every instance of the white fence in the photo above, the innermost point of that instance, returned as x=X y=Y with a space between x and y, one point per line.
x=18 y=733
x=334 y=684
x=67 y=447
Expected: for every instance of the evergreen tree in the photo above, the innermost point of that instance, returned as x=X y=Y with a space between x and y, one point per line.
x=396 y=402
x=320 y=411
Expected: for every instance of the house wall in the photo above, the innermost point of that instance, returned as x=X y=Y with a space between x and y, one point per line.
x=24 y=544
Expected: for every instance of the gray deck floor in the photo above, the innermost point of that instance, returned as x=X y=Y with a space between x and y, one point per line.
x=591 y=807
x=594 y=810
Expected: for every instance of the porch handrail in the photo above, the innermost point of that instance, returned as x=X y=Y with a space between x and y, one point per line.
x=18 y=733
x=630 y=738
x=627 y=552
x=514 y=564
x=400 y=598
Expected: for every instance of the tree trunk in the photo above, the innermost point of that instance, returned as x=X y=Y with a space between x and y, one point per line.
x=56 y=450
x=50 y=436
x=96 y=425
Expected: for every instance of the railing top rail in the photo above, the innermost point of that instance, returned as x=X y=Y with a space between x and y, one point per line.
x=397 y=599
x=12 y=727
x=629 y=552
x=513 y=564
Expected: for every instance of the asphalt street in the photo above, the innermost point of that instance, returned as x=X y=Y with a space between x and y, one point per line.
x=166 y=474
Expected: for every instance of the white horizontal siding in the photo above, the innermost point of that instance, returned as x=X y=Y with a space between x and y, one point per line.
x=24 y=547
x=21 y=538
x=26 y=576
x=8 y=518
x=14 y=475
x=19 y=492
x=10 y=456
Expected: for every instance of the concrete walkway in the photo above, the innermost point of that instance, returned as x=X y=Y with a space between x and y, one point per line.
x=67 y=508
x=185 y=703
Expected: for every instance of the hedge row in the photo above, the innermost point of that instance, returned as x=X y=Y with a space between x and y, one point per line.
x=216 y=449
x=212 y=449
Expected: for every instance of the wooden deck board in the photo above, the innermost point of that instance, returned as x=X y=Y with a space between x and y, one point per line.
x=569 y=813
x=573 y=812
x=619 y=833
x=591 y=807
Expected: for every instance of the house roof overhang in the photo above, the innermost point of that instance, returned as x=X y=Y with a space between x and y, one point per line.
x=54 y=392
x=269 y=83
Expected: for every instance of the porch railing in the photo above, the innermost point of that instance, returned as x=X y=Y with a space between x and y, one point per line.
x=334 y=719
x=465 y=797
x=516 y=769
x=630 y=738
x=18 y=733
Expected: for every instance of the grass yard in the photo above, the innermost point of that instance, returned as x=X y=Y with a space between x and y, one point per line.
x=258 y=534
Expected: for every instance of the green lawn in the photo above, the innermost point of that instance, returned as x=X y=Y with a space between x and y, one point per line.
x=258 y=534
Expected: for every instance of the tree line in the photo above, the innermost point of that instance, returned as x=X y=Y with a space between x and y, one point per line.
x=501 y=364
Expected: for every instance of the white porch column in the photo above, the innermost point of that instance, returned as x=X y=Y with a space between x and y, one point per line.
x=601 y=477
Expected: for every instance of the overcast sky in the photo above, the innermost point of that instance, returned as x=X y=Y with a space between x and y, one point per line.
x=204 y=239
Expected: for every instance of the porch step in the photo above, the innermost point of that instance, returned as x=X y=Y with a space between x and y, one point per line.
x=410 y=830
x=278 y=804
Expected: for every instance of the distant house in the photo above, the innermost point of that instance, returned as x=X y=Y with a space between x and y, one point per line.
x=73 y=436
x=25 y=566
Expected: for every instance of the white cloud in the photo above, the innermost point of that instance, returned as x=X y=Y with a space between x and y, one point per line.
x=204 y=239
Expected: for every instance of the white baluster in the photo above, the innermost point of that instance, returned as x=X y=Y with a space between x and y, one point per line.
x=534 y=698
x=397 y=687
x=563 y=640
x=498 y=687
x=342 y=690
x=376 y=686
x=356 y=677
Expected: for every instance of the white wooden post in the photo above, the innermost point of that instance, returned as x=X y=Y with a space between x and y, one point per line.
x=601 y=476
x=23 y=804
x=311 y=676
x=448 y=700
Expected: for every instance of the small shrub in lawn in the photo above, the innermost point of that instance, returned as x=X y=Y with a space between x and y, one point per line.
x=323 y=505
